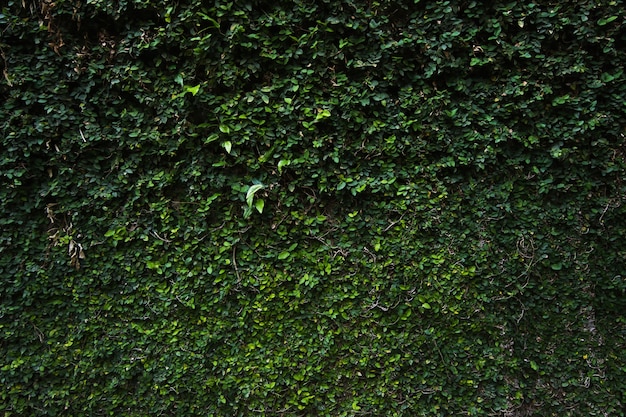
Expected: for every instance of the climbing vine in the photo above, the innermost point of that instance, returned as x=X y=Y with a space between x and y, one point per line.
x=312 y=208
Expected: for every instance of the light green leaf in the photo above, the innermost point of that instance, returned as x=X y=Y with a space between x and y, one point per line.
x=251 y=191
x=152 y=264
x=608 y=20
x=259 y=204
x=282 y=163
x=212 y=138
x=193 y=90
x=322 y=114
x=355 y=405
x=283 y=255
x=534 y=365
x=227 y=146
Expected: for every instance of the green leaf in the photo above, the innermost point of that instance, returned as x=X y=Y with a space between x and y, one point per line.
x=227 y=146
x=193 y=90
x=210 y=19
x=560 y=100
x=322 y=114
x=283 y=255
x=212 y=138
x=602 y=22
x=251 y=191
x=282 y=163
x=259 y=204
x=152 y=264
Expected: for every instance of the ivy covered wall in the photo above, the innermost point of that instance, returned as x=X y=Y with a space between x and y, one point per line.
x=332 y=208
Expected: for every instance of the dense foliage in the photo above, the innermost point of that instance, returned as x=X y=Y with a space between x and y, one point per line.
x=325 y=208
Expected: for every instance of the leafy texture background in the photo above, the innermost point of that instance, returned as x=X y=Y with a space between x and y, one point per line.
x=312 y=208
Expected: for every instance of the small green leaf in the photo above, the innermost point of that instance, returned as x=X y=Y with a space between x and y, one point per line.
x=259 y=204
x=212 y=138
x=247 y=212
x=193 y=90
x=560 y=100
x=227 y=146
x=224 y=129
x=322 y=114
x=282 y=163
x=283 y=255
x=152 y=264
x=265 y=157
x=210 y=19
x=608 y=20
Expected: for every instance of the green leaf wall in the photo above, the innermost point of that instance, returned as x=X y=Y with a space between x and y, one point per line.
x=312 y=208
